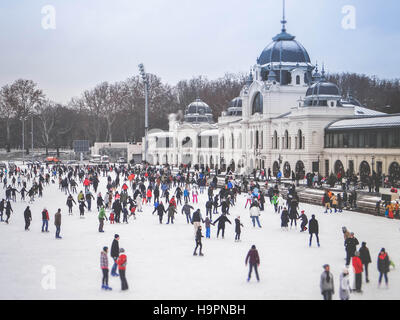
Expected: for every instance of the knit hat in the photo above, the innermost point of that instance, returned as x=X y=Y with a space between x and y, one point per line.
x=121 y=250
x=302 y=211
x=105 y=248
x=325 y=265
x=116 y=236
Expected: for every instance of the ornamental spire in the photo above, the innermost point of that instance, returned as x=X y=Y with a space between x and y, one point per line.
x=283 y=18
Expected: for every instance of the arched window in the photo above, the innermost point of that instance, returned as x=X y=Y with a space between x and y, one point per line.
x=286 y=139
x=300 y=169
x=339 y=168
x=257 y=104
x=257 y=140
x=275 y=140
x=286 y=170
x=300 y=139
x=233 y=142
x=365 y=170
x=297 y=80
x=222 y=142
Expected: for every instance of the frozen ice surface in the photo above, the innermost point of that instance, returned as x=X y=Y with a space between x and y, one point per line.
x=160 y=260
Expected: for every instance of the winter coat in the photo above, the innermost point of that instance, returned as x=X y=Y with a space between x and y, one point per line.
x=284 y=218
x=160 y=209
x=114 y=249
x=196 y=216
x=27 y=214
x=237 y=225
x=186 y=208
x=351 y=245
x=198 y=235
x=103 y=260
x=357 y=264
x=383 y=262
x=326 y=285
x=253 y=257
x=171 y=211
x=313 y=226
x=221 y=221
x=364 y=255
x=57 y=219
x=45 y=215
x=122 y=261
x=254 y=211
x=102 y=213
x=344 y=292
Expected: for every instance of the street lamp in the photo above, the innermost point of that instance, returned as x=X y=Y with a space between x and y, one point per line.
x=146 y=110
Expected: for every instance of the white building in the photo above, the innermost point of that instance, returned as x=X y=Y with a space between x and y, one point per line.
x=282 y=119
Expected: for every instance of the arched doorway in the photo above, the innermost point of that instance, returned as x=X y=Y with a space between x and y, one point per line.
x=394 y=171
x=300 y=169
x=365 y=170
x=286 y=170
x=339 y=168
x=275 y=168
x=232 y=166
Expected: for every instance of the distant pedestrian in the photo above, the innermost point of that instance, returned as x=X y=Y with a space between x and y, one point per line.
x=365 y=258
x=326 y=283
x=104 y=268
x=345 y=289
x=115 y=254
x=57 y=223
x=27 y=217
x=358 y=269
x=383 y=266
x=313 y=228
x=198 y=242
x=45 y=219
x=254 y=262
x=122 y=261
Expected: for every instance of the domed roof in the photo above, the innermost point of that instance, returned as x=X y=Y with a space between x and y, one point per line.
x=323 y=88
x=284 y=48
x=198 y=111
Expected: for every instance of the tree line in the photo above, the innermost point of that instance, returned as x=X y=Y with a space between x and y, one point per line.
x=115 y=111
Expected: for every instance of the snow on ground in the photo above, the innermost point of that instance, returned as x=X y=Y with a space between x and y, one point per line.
x=160 y=260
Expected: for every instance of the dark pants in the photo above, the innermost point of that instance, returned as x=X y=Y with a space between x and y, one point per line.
x=223 y=231
x=198 y=244
x=27 y=223
x=349 y=255
x=45 y=224
x=327 y=295
x=237 y=236
x=385 y=275
x=58 y=229
x=70 y=209
x=358 y=277
x=188 y=219
x=124 y=283
x=316 y=235
x=160 y=217
x=170 y=218
x=114 y=267
x=208 y=212
x=251 y=266
x=293 y=220
x=101 y=225
x=366 y=271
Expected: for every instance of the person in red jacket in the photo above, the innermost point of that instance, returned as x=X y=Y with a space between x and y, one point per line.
x=358 y=269
x=254 y=261
x=172 y=202
x=122 y=261
x=148 y=195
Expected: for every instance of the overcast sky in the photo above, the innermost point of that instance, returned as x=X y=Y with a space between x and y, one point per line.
x=105 y=40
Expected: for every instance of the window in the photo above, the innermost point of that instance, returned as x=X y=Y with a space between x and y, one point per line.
x=286 y=139
x=257 y=104
x=297 y=80
x=275 y=140
x=300 y=139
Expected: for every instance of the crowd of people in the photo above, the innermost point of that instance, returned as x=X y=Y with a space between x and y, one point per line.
x=129 y=190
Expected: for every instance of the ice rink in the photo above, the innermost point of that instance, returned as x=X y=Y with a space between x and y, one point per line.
x=160 y=260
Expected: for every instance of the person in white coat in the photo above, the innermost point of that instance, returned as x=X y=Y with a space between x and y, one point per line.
x=255 y=213
x=345 y=288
